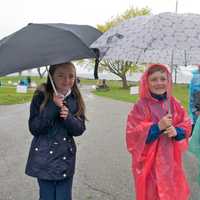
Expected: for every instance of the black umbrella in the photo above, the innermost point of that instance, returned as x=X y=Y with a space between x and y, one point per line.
x=39 y=45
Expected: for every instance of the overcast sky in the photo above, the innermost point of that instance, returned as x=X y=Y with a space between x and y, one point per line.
x=15 y=14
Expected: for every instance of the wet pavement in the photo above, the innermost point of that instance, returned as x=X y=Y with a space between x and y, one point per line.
x=103 y=164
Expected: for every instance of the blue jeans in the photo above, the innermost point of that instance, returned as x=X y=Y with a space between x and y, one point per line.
x=56 y=190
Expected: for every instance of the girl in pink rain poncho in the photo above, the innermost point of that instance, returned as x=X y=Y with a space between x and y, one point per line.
x=157 y=134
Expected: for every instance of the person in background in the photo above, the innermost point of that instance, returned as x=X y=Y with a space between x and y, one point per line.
x=101 y=85
x=78 y=80
x=157 y=133
x=194 y=95
x=54 y=122
x=194 y=109
x=29 y=81
x=23 y=82
x=104 y=85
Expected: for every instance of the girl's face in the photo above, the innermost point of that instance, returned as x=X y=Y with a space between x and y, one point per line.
x=158 y=82
x=64 y=78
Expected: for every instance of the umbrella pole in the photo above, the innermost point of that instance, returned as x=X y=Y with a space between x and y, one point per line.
x=171 y=68
x=169 y=107
x=169 y=104
x=51 y=80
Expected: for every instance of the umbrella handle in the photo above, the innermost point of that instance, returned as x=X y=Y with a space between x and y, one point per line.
x=169 y=107
x=51 y=80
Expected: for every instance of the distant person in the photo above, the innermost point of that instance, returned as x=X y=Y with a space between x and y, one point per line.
x=23 y=82
x=78 y=81
x=29 y=81
x=157 y=133
x=101 y=85
x=104 y=85
x=194 y=95
x=194 y=109
x=195 y=145
x=54 y=122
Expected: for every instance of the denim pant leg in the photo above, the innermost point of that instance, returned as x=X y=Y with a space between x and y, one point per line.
x=64 y=189
x=47 y=189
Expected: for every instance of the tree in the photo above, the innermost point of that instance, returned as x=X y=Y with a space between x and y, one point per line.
x=129 y=13
x=121 y=68
x=41 y=74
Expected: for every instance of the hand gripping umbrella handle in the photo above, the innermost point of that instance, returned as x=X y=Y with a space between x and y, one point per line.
x=53 y=85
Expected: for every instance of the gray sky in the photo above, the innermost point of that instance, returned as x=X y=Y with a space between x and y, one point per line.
x=18 y=13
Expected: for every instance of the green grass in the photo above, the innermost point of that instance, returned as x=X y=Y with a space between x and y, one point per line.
x=9 y=96
x=180 y=91
x=117 y=93
x=88 y=81
x=5 y=79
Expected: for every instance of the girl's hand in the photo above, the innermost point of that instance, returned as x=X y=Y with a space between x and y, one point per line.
x=165 y=122
x=171 y=131
x=58 y=100
x=64 y=112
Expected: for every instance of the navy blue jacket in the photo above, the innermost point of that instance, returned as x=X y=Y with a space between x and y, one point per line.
x=53 y=150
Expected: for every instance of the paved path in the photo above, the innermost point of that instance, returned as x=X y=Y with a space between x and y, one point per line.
x=103 y=164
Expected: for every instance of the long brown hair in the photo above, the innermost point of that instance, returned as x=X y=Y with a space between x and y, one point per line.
x=48 y=90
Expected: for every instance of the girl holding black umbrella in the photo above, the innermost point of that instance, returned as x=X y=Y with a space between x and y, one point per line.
x=55 y=118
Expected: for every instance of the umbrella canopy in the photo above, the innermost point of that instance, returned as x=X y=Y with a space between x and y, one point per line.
x=45 y=44
x=111 y=38
x=166 y=38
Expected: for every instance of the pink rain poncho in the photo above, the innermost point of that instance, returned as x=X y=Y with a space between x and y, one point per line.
x=157 y=167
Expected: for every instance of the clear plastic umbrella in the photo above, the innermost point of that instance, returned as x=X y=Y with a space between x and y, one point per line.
x=110 y=39
x=166 y=38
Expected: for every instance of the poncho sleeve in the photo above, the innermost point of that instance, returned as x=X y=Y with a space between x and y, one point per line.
x=138 y=124
x=181 y=120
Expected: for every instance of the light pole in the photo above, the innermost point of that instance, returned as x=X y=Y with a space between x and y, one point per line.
x=176 y=6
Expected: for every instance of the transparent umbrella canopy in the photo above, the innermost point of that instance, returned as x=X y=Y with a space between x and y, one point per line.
x=166 y=38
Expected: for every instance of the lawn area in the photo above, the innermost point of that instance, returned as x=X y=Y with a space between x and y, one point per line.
x=9 y=96
x=180 y=91
x=118 y=93
x=5 y=80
